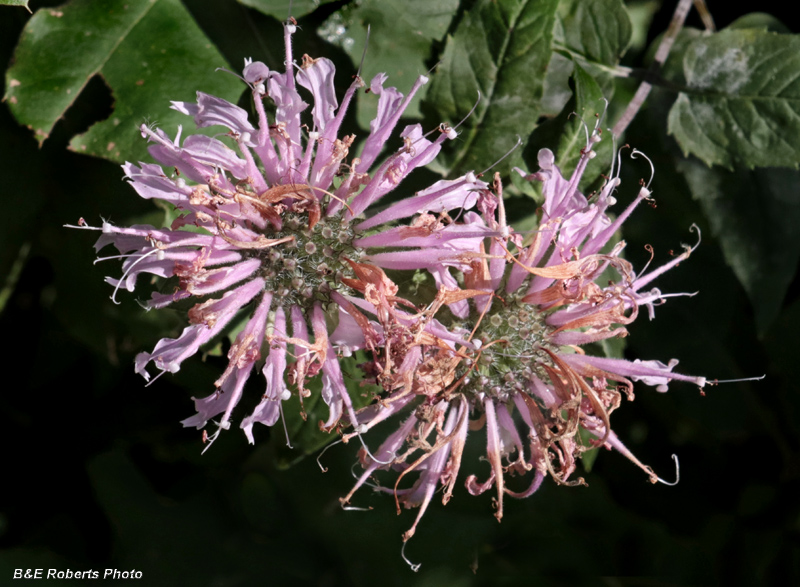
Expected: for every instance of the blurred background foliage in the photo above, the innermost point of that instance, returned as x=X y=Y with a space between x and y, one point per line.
x=98 y=472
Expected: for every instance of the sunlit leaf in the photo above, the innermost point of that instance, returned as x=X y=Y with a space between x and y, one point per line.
x=148 y=52
x=15 y=3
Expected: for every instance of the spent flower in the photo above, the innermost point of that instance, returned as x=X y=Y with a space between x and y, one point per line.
x=512 y=360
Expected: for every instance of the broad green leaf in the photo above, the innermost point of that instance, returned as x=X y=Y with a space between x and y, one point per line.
x=759 y=236
x=148 y=51
x=399 y=43
x=556 y=92
x=566 y=134
x=499 y=51
x=594 y=31
x=741 y=105
x=594 y=34
x=280 y=8
x=15 y=3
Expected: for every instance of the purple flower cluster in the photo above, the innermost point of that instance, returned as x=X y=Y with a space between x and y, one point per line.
x=275 y=236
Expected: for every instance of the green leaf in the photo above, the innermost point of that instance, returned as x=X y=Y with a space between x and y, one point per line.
x=148 y=51
x=566 y=134
x=15 y=3
x=594 y=31
x=759 y=236
x=280 y=8
x=742 y=103
x=594 y=34
x=760 y=20
x=500 y=49
x=399 y=43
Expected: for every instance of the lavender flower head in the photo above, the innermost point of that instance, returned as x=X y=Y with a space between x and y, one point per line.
x=512 y=361
x=268 y=230
x=272 y=236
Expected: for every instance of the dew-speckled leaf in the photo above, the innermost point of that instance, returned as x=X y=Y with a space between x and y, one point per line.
x=399 y=43
x=755 y=215
x=148 y=52
x=566 y=134
x=280 y=8
x=500 y=49
x=741 y=105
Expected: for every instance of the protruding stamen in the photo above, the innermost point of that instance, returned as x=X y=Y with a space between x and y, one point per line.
x=226 y=70
x=209 y=440
x=414 y=567
x=128 y=270
x=285 y=429
x=463 y=120
x=677 y=473
x=602 y=117
x=618 y=161
x=364 y=52
x=716 y=381
x=352 y=508
x=695 y=228
x=496 y=163
x=154 y=379
x=652 y=168
x=585 y=130
x=324 y=450
x=366 y=449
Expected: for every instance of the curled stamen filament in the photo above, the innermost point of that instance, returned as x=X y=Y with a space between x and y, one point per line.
x=414 y=567
x=508 y=153
x=128 y=270
x=472 y=110
x=636 y=152
x=324 y=450
x=677 y=473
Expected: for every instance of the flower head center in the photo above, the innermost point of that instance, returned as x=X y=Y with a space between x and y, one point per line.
x=310 y=263
x=511 y=335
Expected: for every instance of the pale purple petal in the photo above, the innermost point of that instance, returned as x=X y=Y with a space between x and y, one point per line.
x=211 y=111
x=317 y=77
x=442 y=196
